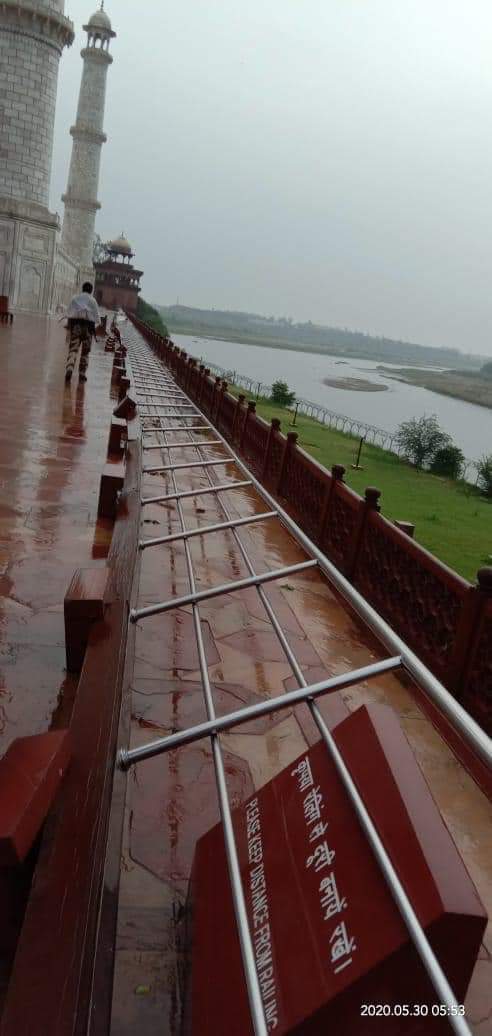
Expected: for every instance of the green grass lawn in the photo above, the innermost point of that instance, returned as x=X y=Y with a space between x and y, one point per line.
x=451 y=519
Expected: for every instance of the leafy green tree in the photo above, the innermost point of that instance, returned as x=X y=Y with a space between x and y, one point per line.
x=420 y=439
x=281 y=394
x=151 y=316
x=486 y=370
x=484 y=468
x=449 y=460
x=99 y=253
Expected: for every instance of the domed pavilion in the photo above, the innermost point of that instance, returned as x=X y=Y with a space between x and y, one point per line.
x=117 y=280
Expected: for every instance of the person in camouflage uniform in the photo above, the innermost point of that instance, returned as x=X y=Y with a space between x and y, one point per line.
x=83 y=318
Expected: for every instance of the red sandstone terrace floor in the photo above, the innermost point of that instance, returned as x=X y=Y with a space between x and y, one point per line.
x=53 y=448
x=53 y=442
x=171 y=800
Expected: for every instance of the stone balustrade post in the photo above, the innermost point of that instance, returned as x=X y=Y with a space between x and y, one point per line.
x=236 y=423
x=407 y=527
x=206 y=399
x=290 y=444
x=220 y=399
x=274 y=428
x=469 y=633
x=371 y=503
x=183 y=360
x=251 y=409
x=186 y=373
x=191 y=387
x=201 y=372
x=337 y=475
x=216 y=391
x=372 y=497
x=484 y=581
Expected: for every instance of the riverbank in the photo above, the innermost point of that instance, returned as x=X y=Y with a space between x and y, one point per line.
x=261 y=341
x=452 y=519
x=465 y=385
x=354 y=385
x=257 y=340
x=254 y=369
x=459 y=384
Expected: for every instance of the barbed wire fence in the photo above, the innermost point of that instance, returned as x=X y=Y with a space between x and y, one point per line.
x=330 y=418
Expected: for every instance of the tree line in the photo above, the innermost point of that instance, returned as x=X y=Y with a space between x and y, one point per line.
x=325 y=338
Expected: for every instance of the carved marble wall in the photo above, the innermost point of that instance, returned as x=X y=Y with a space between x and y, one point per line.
x=27 y=258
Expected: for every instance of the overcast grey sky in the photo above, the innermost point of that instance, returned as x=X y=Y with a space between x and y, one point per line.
x=321 y=159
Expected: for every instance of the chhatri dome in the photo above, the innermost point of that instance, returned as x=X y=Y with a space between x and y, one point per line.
x=100 y=20
x=120 y=246
x=99 y=25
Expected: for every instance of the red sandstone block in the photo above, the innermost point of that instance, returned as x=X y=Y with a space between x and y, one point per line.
x=112 y=481
x=126 y=408
x=406 y=527
x=119 y=371
x=318 y=904
x=118 y=435
x=124 y=385
x=84 y=604
x=30 y=775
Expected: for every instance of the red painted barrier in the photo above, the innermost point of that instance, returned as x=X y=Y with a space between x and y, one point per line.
x=327 y=935
x=30 y=775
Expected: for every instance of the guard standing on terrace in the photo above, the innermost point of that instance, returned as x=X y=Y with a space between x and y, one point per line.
x=83 y=318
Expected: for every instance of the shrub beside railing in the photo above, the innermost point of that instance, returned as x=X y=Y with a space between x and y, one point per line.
x=330 y=418
x=443 y=618
x=340 y=422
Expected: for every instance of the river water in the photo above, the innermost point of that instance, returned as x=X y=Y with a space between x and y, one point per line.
x=469 y=425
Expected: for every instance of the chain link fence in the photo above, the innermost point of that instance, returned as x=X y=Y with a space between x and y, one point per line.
x=331 y=418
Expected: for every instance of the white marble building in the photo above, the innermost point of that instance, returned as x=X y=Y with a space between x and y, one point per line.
x=81 y=204
x=33 y=34
x=39 y=269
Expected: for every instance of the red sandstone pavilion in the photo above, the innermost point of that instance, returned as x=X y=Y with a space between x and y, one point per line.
x=117 y=282
x=246 y=770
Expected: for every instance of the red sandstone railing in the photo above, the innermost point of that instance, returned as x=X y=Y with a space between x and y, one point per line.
x=443 y=618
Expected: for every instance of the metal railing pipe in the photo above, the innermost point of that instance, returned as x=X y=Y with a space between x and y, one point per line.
x=219 y=591
x=129 y=757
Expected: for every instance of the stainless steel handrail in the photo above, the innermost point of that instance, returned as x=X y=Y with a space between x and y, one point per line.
x=413 y=665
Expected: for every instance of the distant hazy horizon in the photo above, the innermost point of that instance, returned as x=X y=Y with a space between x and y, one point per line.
x=328 y=160
x=328 y=327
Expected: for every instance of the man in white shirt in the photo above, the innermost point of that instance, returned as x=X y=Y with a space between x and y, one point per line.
x=83 y=318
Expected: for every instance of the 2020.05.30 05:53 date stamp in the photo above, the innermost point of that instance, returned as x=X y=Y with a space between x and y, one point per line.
x=412 y=1010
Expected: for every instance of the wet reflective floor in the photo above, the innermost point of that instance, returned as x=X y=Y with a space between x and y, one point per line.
x=53 y=441
x=171 y=800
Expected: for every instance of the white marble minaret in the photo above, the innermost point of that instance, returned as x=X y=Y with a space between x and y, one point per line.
x=80 y=200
